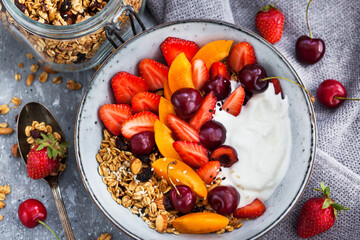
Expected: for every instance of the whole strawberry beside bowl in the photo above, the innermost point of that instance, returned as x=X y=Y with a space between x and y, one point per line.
x=318 y=214
x=270 y=23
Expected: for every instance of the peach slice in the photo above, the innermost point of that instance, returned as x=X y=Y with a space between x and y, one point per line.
x=167 y=92
x=201 y=222
x=165 y=108
x=180 y=174
x=180 y=73
x=214 y=51
x=164 y=140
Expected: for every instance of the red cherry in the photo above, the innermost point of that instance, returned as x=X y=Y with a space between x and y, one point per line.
x=328 y=91
x=30 y=212
x=184 y=202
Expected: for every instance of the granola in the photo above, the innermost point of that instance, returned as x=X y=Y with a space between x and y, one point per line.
x=146 y=199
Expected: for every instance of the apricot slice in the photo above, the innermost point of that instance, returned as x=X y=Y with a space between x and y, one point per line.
x=167 y=92
x=214 y=51
x=201 y=222
x=180 y=74
x=164 y=140
x=180 y=174
x=165 y=108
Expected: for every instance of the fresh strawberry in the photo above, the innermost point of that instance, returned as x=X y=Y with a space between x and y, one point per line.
x=200 y=73
x=253 y=210
x=235 y=101
x=140 y=122
x=242 y=54
x=145 y=101
x=318 y=214
x=113 y=116
x=154 y=73
x=270 y=23
x=209 y=171
x=192 y=153
x=218 y=68
x=172 y=47
x=126 y=85
x=181 y=130
x=205 y=113
x=44 y=158
x=277 y=86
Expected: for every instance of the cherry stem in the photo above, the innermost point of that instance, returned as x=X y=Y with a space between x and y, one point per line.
x=307 y=18
x=270 y=78
x=41 y=222
x=344 y=98
x=167 y=171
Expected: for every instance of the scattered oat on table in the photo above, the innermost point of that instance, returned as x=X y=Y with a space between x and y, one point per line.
x=34 y=68
x=72 y=85
x=43 y=77
x=21 y=65
x=17 y=76
x=29 y=56
x=3 y=125
x=4 y=190
x=30 y=79
x=4 y=109
x=104 y=236
x=16 y=101
x=57 y=80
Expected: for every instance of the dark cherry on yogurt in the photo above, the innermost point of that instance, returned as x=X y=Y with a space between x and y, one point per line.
x=225 y=154
x=219 y=85
x=309 y=50
x=224 y=199
x=186 y=101
x=142 y=143
x=212 y=134
x=250 y=76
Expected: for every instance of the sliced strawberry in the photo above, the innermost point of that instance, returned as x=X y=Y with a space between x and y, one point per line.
x=235 y=101
x=277 y=85
x=145 y=101
x=181 y=130
x=192 y=153
x=242 y=54
x=205 y=113
x=253 y=210
x=154 y=73
x=200 y=73
x=126 y=85
x=225 y=154
x=140 y=122
x=209 y=171
x=218 y=68
x=172 y=47
x=113 y=116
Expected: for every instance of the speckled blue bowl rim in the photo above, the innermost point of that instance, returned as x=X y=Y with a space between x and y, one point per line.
x=246 y=31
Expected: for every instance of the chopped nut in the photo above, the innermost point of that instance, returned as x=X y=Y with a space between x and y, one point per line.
x=21 y=65
x=17 y=76
x=77 y=86
x=43 y=77
x=30 y=79
x=161 y=223
x=104 y=236
x=3 y=125
x=15 y=150
x=16 y=101
x=2 y=196
x=6 y=189
x=48 y=70
x=2 y=205
x=34 y=68
x=6 y=131
x=29 y=56
x=135 y=166
x=4 y=109
x=72 y=85
x=57 y=80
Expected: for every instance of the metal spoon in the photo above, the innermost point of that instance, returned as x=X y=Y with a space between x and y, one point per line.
x=34 y=111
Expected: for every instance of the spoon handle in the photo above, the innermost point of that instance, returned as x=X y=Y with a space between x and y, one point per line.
x=62 y=212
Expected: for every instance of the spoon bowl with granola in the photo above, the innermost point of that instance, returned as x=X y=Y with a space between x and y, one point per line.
x=42 y=146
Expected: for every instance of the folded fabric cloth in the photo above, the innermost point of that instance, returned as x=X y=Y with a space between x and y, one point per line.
x=337 y=23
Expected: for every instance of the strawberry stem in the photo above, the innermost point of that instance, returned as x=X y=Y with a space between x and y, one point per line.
x=307 y=18
x=41 y=222
x=344 y=98
x=167 y=171
x=270 y=78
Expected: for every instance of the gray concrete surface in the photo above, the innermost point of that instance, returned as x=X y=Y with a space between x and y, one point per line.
x=86 y=220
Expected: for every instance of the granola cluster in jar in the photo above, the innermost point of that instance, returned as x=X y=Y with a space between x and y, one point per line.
x=63 y=13
x=131 y=182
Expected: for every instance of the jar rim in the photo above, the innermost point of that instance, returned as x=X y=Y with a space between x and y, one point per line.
x=72 y=31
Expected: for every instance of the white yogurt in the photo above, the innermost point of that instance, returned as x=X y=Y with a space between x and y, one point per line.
x=261 y=135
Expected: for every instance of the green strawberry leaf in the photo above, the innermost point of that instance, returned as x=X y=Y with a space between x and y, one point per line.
x=339 y=207
x=326 y=203
x=55 y=153
x=327 y=191
x=335 y=213
x=51 y=137
x=64 y=145
x=49 y=153
x=322 y=186
x=44 y=136
x=40 y=147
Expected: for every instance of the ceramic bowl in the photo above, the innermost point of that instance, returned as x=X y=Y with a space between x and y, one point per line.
x=88 y=130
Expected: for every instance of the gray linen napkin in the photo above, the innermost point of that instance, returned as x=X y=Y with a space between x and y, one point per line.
x=337 y=23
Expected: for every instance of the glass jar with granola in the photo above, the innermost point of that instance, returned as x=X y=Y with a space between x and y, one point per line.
x=70 y=35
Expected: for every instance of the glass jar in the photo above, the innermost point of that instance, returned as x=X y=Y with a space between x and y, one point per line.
x=73 y=47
